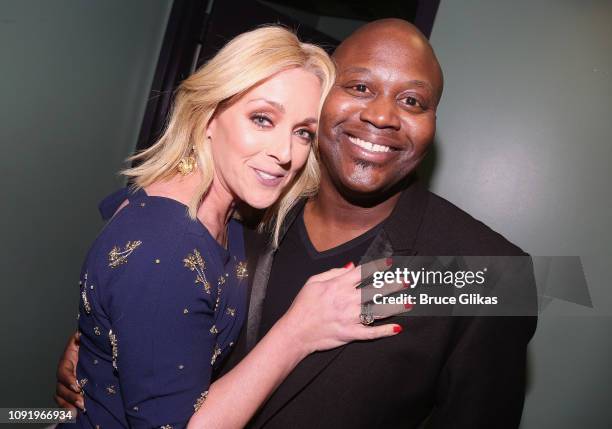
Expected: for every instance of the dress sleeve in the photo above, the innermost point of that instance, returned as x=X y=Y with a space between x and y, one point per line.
x=161 y=315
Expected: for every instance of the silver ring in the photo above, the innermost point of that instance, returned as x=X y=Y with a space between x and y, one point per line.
x=366 y=317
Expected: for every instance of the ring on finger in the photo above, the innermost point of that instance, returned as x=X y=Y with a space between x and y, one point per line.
x=366 y=317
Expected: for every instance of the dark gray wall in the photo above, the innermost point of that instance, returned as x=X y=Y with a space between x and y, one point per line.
x=74 y=79
x=524 y=145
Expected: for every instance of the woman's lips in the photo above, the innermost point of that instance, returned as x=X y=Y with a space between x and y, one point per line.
x=268 y=179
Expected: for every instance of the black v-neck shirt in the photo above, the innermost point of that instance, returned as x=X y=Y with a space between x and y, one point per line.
x=297 y=260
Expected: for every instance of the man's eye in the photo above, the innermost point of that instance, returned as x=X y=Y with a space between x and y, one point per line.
x=360 y=87
x=413 y=102
x=261 y=120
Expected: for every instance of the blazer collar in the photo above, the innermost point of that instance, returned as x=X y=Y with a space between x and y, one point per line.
x=402 y=226
x=290 y=218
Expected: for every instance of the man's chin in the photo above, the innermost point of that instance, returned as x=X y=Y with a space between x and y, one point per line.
x=363 y=187
x=364 y=179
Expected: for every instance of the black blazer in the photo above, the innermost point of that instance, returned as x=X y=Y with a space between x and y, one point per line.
x=440 y=372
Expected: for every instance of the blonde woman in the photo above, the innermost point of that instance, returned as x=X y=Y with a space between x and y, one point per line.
x=163 y=288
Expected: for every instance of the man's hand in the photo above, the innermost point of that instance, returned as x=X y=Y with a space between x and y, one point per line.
x=67 y=391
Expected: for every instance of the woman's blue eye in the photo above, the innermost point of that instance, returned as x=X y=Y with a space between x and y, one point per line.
x=261 y=120
x=307 y=135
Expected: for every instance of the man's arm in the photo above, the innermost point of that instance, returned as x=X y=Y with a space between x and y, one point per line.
x=67 y=392
x=482 y=384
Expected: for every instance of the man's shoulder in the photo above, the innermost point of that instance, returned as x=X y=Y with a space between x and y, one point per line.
x=449 y=229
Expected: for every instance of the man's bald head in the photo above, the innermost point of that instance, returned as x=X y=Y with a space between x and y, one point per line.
x=379 y=119
x=393 y=34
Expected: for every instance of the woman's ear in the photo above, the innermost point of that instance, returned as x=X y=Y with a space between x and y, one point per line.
x=210 y=129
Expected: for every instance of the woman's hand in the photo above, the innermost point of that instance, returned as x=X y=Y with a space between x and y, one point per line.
x=325 y=313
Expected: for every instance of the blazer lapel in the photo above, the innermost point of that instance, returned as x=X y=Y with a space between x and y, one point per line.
x=260 y=281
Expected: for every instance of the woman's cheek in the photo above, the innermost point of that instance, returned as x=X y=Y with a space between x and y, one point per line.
x=301 y=156
x=243 y=137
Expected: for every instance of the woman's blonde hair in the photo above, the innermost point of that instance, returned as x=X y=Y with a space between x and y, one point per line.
x=241 y=64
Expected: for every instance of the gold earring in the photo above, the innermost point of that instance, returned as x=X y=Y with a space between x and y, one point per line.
x=187 y=164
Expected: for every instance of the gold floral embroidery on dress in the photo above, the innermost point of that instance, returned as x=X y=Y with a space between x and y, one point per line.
x=111 y=389
x=217 y=300
x=215 y=355
x=165 y=427
x=195 y=262
x=81 y=383
x=118 y=257
x=230 y=311
x=241 y=270
x=115 y=350
x=86 y=304
x=200 y=401
x=214 y=330
x=221 y=280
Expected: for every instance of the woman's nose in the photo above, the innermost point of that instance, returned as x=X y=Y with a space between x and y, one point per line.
x=279 y=148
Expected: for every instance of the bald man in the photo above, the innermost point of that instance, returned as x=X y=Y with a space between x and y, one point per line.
x=376 y=126
x=440 y=372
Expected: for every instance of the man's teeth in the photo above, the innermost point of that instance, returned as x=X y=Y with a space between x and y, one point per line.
x=369 y=146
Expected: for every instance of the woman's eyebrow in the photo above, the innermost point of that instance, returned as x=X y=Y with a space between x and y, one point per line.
x=309 y=121
x=270 y=102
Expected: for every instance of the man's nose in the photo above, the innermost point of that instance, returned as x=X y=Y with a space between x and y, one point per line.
x=279 y=148
x=381 y=112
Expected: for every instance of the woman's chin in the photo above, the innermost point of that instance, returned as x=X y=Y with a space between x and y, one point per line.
x=261 y=201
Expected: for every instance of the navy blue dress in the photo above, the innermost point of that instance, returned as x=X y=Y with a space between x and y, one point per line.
x=161 y=304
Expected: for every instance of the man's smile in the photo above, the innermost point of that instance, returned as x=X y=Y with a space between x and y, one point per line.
x=372 y=147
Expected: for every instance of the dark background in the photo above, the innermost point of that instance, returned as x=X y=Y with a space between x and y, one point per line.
x=523 y=144
x=197 y=29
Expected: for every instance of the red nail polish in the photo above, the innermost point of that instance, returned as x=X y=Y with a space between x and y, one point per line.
x=397 y=329
x=349 y=265
x=406 y=284
x=389 y=262
x=407 y=306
